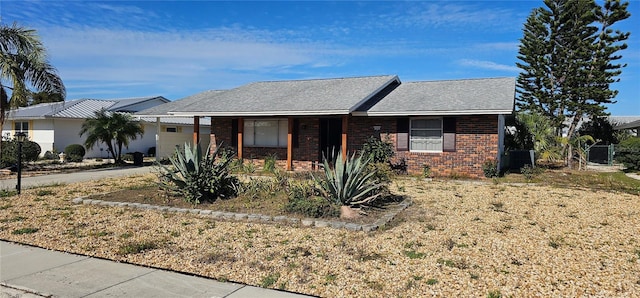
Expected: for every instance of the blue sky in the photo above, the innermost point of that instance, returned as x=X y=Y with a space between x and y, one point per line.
x=119 y=49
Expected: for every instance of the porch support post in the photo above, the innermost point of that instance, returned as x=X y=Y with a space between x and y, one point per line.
x=289 y=144
x=345 y=126
x=158 y=131
x=196 y=130
x=213 y=142
x=240 y=132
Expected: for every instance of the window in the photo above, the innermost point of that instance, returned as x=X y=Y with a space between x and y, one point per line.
x=171 y=129
x=22 y=127
x=265 y=133
x=426 y=135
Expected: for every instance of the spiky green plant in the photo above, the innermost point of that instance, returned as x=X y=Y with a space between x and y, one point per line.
x=197 y=176
x=349 y=182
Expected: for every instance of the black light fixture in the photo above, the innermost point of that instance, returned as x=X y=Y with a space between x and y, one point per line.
x=20 y=137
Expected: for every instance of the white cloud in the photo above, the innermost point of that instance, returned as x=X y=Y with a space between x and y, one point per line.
x=487 y=65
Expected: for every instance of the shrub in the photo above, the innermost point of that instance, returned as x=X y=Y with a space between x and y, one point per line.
x=269 y=163
x=30 y=152
x=127 y=157
x=530 y=172
x=199 y=177
x=490 y=168
x=304 y=199
x=151 y=151
x=382 y=174
x=377 y=150
x=349 y=182
x=51 y=155
x=628 y=153
x=426 y=171
x=74 y=152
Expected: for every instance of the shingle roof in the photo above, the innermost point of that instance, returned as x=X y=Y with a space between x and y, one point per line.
x=454 y=97
x=300 y=97
x=78 y=108
x=177 y=105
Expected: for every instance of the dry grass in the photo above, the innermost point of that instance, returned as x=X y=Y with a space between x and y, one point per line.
x=457 y=239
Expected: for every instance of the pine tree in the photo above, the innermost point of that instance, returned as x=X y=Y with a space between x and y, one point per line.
x=568 y=57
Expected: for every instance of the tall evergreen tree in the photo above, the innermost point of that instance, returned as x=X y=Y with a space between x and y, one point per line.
x=43 y=97
x=569 y=57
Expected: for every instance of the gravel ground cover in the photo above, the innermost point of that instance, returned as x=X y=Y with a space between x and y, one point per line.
x=457 y=239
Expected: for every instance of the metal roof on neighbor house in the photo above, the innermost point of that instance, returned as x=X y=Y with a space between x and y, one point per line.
x=79 y=108
x=339 y=96
x=629 y=125
x=452 y=97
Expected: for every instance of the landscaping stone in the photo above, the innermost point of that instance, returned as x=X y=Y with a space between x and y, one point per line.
x=240 y=216
x=353 y=227
x=321 y=224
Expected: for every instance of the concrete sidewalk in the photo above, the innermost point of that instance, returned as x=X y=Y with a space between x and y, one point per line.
x=34 y=272
x=72 y=177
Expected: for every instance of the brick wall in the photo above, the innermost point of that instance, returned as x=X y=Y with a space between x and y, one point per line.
x=305 y=155
x=476 y=141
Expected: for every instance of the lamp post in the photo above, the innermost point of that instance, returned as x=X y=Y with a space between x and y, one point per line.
x=20 y=137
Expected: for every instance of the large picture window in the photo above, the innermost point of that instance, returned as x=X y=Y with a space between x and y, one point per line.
x=426 y=135
x=265 y=133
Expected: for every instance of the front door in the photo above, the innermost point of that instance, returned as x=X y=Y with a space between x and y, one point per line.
x=330 y=137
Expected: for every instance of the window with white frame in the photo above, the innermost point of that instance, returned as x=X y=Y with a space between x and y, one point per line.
x=265 y=133
x=426 y=135
x=171 y=129
x=22 y=127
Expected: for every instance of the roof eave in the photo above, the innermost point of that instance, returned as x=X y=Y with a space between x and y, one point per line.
x=259 y=114
x=434 y=113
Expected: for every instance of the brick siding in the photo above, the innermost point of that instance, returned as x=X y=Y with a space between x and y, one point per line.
x=476 y=141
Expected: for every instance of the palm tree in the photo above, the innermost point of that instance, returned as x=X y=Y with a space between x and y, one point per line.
x=113 y=129
x=23 y=63
x=543 y=138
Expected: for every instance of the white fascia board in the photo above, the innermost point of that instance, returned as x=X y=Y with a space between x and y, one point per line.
x=435 y=113
x=357 y=105
x=259 y=114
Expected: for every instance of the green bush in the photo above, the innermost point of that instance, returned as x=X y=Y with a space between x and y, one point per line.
x=30 y=152
x=127 y=157
x=304 y=200
x=51 y=155
x=529 y=172
x=197 y=176
x=628 y=153
x=377 y=150
x=269 y=163
x=74 y=153
x=490 y=168
x=382 y=174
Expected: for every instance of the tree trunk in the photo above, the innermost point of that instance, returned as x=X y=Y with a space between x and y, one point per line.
x=566 y=147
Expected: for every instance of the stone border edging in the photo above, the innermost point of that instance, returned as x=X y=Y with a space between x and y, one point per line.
x=307 y=222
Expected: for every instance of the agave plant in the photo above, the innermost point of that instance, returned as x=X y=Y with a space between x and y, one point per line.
x=348 y=182
x=197 y=176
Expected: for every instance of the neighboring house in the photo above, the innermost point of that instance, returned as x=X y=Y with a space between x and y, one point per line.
x=56 y=125
x=630 y=123
x=452 y=127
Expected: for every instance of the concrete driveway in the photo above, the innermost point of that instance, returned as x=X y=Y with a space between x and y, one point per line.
x=72 y=177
